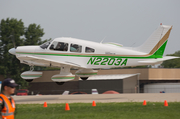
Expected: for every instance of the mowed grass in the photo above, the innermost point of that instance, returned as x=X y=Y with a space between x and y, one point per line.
x=129 y=110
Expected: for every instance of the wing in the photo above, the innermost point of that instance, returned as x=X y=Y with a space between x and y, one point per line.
x=46 y=62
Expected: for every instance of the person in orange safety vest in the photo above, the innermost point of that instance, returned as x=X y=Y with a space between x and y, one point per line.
x=7 y=104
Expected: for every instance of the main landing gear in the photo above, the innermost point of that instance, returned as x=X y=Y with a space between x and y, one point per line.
x=64 y=76
x=84 y=78
x=29 y=76
x=60 y=83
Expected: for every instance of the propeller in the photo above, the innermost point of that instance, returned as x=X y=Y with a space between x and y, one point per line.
x=12 y=50
x=12 y=38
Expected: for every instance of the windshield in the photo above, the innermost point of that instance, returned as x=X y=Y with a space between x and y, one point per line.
x=46 y=44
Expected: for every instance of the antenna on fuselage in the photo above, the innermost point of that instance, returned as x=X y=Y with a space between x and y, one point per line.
x=103 y=40
x=133 y=44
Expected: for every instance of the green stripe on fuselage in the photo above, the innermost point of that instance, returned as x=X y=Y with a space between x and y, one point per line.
x=94 y=55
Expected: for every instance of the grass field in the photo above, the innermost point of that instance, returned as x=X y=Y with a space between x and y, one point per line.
x=129 y=110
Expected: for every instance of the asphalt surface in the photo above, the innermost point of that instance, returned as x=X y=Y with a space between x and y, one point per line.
x=104 y=98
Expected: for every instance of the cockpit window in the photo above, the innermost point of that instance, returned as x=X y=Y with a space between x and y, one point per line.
x=59 y=46
x=75 y=48
x=89 y=50
x=46 y=44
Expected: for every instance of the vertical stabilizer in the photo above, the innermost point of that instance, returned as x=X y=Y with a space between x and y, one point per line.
x=156 y=43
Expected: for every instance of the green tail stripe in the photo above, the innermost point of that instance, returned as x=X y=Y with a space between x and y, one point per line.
x=160 y=51
x=62 y=78
x=86 y=74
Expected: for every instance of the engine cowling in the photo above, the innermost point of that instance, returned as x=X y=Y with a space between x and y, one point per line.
x=30 y=75
x=85 y=73
x=62 y=78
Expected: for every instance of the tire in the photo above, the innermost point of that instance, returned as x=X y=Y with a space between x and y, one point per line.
x=29 y=80
x=60 y=83
x=84 y=78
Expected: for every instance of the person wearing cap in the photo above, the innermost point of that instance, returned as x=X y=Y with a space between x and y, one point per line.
x=7 y=104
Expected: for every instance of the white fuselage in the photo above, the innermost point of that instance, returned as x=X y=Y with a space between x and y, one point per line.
x=68 y=53
x=102 y=55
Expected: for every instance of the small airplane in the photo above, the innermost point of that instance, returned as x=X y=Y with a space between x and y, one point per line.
x=67 y=53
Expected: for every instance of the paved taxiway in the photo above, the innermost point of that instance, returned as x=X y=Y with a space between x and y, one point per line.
x=88 y=98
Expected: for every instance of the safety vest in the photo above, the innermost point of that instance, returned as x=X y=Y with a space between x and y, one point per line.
x=8 y=111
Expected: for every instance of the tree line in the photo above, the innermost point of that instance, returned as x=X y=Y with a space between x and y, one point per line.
x=174 y=63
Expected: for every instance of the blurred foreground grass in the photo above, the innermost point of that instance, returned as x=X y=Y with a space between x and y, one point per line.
x=129 y=110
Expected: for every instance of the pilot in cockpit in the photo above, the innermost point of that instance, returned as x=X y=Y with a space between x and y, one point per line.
x=58 y=47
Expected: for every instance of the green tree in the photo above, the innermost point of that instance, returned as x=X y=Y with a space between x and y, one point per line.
x=33 y=34
x=10 y=30
x=174 y=63
x=13 y=30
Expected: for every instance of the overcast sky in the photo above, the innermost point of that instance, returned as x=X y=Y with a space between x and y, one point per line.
x=128 y=22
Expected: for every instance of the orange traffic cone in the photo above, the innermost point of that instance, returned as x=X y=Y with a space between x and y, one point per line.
x=45 y=104
x=165 y=103
x=67 y=107
x=93 y=104
x=144 y=103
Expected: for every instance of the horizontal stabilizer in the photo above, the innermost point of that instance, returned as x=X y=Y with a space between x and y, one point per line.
x=157 y=61
x=109 y=77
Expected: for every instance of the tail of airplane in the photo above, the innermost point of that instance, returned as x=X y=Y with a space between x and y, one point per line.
x=156 y=43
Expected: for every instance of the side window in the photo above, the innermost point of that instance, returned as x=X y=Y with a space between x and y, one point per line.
x=59 y=46
x=89 y=50
x=75 y=48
